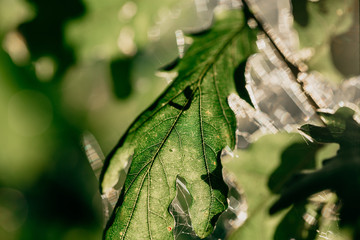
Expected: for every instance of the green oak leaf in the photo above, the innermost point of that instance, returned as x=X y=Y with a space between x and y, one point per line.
x=181 y=134
x=340 y=128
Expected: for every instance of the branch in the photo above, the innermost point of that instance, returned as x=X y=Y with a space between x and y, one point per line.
x=295 y=65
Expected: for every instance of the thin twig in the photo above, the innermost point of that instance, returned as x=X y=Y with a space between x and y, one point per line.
x=295 y=65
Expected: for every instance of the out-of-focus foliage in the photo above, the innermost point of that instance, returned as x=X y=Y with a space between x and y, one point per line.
x=340 y=173
x=122 y=25
x=45 y=183
x=262 y=170
x=329 y=29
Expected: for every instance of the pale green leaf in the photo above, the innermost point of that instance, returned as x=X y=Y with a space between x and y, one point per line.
x=253 y=168
x=182 y=134
x=262 y=170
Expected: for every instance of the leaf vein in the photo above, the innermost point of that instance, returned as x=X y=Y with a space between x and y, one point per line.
x=221 y=105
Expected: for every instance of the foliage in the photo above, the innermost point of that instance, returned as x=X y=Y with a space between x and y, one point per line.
x=182 y=134
x=333 y=18
x=73 y=67
x=271 y=155
x=339 y=173
x=126 y=220
x=166 y=125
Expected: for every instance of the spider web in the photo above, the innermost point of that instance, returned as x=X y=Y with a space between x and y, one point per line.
x=229 y=220
x=96 y=158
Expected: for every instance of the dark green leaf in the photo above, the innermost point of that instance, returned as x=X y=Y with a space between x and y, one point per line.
x=182 y=134
x=293 y=226
x=296 y=157
x=121 y=70
x=240 y=83
x=340 y=173
x=340 y=128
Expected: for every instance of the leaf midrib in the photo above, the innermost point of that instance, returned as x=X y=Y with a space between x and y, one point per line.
x=210 y=63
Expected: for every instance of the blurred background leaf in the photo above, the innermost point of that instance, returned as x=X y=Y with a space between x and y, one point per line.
x=329 y=29
x=339 y=174
x=252 y=167
x=262 y=170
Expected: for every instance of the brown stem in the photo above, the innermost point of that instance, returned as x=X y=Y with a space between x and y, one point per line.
x=295 y=65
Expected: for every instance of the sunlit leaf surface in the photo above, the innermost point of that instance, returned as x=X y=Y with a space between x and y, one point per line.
x=182 y=133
